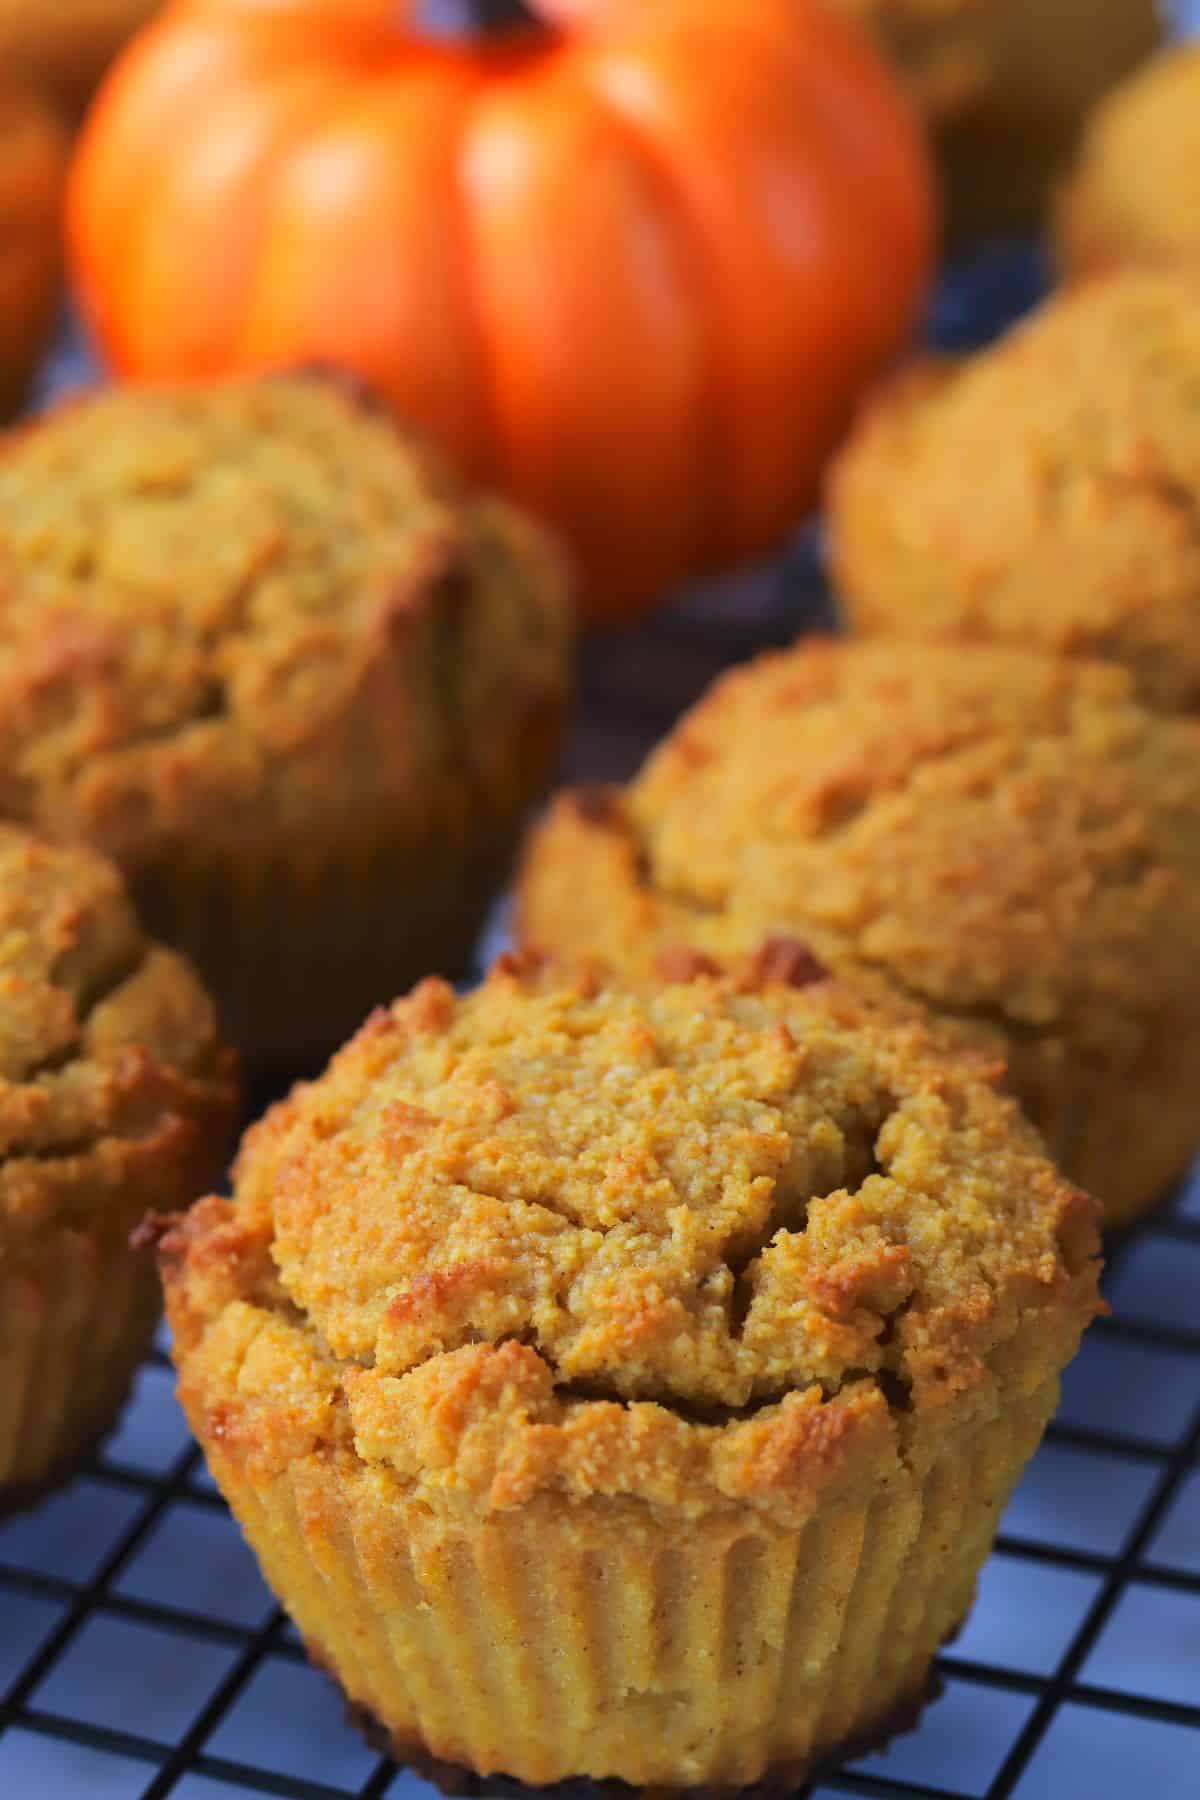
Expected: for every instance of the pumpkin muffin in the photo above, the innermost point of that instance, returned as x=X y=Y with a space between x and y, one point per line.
x=115 y=1096
x=1008 y=839
x=261 y=650
x=33 y=163
x=1131 y=197
x=1045 y=492
x=621 y=1386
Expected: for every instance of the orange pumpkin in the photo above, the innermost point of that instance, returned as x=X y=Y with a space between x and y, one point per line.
x=33 y=164
x=635 y=265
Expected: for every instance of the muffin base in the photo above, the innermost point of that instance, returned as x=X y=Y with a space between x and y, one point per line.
x=594 y=1644
x=22 y=1497
x=64 y=1380
x=297 y=958
x=460 y=1783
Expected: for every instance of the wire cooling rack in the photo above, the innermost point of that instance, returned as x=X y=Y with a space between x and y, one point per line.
x=141 y=1656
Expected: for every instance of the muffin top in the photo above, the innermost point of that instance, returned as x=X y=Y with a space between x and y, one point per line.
x=220 y=603
x=115 y=1092
x=1044 y=492
x=1008 y=837
x=1132 y=194
x=706 y=1240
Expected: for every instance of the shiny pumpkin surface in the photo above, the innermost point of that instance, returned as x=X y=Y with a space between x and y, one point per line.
x=634 y=266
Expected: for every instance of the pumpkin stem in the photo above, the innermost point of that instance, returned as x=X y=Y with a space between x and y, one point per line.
x=466 y=18
x=500 y=15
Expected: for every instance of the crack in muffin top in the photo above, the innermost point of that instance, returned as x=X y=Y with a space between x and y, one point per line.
x=705 y=1197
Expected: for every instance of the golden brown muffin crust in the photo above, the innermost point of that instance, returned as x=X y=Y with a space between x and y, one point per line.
x=998 y=834
x=1043 y=493
x=704 y=1246
x=219 y=605
x=115 y=1092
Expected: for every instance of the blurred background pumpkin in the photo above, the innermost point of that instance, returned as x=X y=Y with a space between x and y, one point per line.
x=33 y=159
x=637 y=269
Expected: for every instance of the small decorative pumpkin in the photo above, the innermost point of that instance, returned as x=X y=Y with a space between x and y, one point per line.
x=33 y=159
x=634 y=264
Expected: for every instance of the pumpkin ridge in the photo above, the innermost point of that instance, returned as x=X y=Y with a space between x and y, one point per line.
x=709 y=420
x=487 y=424
x=246 y=202
x=912 y=236
x=309 y=115
x=702 y=41
x=865 y=343
x=114 y=211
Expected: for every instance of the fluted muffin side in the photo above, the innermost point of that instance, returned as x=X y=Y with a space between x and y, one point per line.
x=556 y=1643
